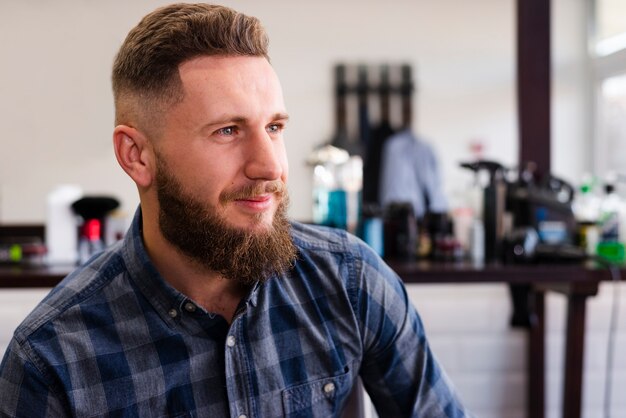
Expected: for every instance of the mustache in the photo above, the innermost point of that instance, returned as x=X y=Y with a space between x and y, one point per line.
x=252 y=190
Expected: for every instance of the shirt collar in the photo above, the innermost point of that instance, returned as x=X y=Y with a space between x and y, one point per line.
x=163 y=297
x=160 y=294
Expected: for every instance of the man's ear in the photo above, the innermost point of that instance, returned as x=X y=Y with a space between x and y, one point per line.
x=135 y=155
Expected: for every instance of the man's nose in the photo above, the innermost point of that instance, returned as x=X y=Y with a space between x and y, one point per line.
x=264 y=157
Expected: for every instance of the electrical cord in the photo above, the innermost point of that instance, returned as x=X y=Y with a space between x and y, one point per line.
x=529 y=248
x=610 y=350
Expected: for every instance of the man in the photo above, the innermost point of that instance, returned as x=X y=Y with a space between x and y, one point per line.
x=214 y=305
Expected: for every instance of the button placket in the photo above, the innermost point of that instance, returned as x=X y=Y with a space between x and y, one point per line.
x=236 y=365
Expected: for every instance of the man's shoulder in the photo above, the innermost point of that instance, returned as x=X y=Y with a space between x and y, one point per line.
x=82 y=284
x=322 y=238
x=324 y=242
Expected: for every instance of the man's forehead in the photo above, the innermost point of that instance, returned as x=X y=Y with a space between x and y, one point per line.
x=225 y=76
x=224 y=65
x=221 y=75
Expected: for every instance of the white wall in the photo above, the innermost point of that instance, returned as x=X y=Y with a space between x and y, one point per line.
x=56 y=107
x=468 y=327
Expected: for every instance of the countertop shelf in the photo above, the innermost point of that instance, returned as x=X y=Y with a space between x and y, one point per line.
x=19 y=276
x=412 y=271
x=426 y=271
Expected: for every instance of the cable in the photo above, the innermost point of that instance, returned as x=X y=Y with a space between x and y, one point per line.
x=610 y=349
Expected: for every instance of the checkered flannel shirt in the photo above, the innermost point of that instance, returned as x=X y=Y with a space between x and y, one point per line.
x=114 y=339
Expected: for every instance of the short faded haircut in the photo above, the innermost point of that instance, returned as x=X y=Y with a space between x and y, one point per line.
x=145 y=76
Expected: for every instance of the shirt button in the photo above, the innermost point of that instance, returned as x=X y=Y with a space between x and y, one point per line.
x=230 y=341
x=329 y=387
x=190 y=307
x=173 y=313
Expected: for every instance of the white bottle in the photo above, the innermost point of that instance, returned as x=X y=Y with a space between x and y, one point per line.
x=477 y=242
x=61 y=225
x=586 y=205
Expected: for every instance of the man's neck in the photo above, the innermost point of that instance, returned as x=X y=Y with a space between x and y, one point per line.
x=207 y=288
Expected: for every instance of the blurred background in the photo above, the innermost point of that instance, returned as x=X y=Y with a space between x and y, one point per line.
x=56 y=118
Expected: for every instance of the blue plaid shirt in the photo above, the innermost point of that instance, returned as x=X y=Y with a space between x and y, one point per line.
x=114 y=339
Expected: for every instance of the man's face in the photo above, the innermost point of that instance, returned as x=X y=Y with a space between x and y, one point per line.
x=221 y=169
x=224 y=141
x=207 y=239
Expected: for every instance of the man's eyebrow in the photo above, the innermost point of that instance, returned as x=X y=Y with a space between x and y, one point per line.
x=281 y=116
x=243 y=120
x=227 y=119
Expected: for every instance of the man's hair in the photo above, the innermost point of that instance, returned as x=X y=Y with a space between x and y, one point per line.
x=145 y=73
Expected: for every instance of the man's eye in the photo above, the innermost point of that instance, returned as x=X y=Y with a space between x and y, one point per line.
x=229 y=130
x=275 y=127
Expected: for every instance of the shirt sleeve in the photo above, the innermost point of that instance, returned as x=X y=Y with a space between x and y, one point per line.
x=399 y=177
x=23 y=390
x=428 y=166
x=399 y=370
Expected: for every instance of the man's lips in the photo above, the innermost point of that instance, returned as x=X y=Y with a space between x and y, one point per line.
x=259 y=202
x=261 y=198
x=254 y=192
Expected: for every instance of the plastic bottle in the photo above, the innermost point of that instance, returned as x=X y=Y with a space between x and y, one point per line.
x=610 y=210
x=611 y=214
x=477 y=241
x=350 y=176
x=61 y=225
x=586 y=208
x=586 y=205
x=90 y=241
x=323 y=183
x=329 y=198
x=371 y=227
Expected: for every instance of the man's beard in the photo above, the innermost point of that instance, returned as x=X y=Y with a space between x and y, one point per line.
x=199 y=232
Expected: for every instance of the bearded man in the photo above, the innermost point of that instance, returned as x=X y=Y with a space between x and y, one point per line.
x=215 y=304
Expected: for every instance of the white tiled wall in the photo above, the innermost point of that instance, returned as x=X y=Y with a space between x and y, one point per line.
x=468 y=327
x=15 y=304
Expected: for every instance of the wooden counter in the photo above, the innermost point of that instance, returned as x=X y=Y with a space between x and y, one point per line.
x=15 y=276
